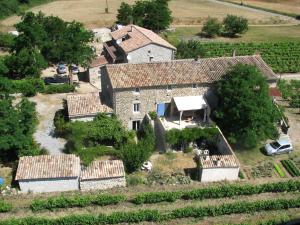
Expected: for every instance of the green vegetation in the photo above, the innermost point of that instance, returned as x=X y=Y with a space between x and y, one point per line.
x=290 y=91
x=58 y=88
x=245 y=112
x=211 y=28
x=228 y=190
x=154 y=14
x=76 y=201
x=281 y=56
x=290 y=166
x=279 y=170
x=6 y=40
x=179 y=139
x=234 y=25
x=9 y=7
x=155 y=215
x=153 y=115
x=17 y=125
x=5 y=207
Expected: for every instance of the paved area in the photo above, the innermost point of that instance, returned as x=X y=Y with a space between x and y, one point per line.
x=46 y=106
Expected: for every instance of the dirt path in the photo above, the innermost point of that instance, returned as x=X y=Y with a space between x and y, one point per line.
x=256 y=10
x=46 y=106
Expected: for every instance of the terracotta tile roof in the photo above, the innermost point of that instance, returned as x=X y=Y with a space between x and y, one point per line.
x=48 y=166
x=187 y=71
x=103 y=170
x=99 y=61
x=218 y=161
x=138 y=37
x=86 y=104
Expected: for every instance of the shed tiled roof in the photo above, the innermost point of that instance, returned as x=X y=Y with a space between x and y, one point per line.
x=87 y=104
x=103 y=170
x=138 y=37
x=48 y=166
x=187 y=71
x=219 y=161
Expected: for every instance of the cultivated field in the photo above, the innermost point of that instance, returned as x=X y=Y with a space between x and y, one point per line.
x=287 y=6
x=91 y=12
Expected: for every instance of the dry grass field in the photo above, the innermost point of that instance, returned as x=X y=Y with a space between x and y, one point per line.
x=287 y=6
x=91 y=12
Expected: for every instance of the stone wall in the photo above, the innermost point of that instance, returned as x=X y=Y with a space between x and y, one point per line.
x=148 y=99
x=159 y=53
x=219 y=174
x=49 y=185
x=102 y=184
x=82 y=118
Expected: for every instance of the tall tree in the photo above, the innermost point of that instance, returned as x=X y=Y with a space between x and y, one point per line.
x=234 y=25
x=246 y=112
x=124 y=14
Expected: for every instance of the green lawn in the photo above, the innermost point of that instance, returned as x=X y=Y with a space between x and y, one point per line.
x=254 y=34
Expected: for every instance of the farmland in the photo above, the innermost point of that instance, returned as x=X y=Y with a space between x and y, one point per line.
x=91 y=12
x=285 y=6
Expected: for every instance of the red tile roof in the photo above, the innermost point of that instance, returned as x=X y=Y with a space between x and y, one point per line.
x=138 y=37
x=86 y=104
x=274 y=92
x=48 y=166
x=187 y=71
x=99 y=61
x=103 y=170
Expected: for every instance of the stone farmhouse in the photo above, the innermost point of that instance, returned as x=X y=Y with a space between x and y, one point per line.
x=180 y=91
x=56 y=173
x=134 y=44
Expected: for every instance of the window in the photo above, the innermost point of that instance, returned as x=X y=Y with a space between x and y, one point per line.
x=136 y=91
x=151 y=58
x=136 y=125
x=194 y=86
x=136 y=107
x=169 y=88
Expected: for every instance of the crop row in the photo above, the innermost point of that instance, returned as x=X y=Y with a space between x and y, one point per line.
x=281 y=56
x=291 y=168
x=76 y=201
x=155 y=215
x=217 y=192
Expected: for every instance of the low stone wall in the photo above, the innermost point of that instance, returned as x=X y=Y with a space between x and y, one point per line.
x=102 y=184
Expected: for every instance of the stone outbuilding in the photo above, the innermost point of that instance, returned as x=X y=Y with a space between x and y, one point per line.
x=48 y=173
x=84 y=107
x=101 y=175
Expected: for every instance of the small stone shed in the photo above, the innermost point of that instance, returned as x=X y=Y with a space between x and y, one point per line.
x=48 y=173
x=101 y=175
x=84 y=107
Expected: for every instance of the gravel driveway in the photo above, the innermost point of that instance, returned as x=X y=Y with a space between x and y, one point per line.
x=46 y=106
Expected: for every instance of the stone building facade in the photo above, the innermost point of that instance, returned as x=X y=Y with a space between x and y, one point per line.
x=133 y=90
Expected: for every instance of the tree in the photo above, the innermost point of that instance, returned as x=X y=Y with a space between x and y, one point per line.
x=154 y=14
x=211 y=28
x=245 y=112
x=17 y=125
x=74 y=47
x=124 y=14
x=234 y=25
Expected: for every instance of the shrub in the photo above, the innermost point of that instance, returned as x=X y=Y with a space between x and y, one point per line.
x=29 y=87
x=134 y=180
x=155 y=197
x=153 y=115
x=241 y=174
x=6 y=40
x=5 y=207
x=60 y=122
x=59 y=88
x=234 y=25
x=211 y=28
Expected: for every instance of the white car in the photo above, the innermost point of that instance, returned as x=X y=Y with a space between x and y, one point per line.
x=282 y=145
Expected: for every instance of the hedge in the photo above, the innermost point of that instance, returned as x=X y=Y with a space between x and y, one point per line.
x=5 y=207
x=76 y=201
x=229 y=190
x=58 y=88
x=155 y=215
